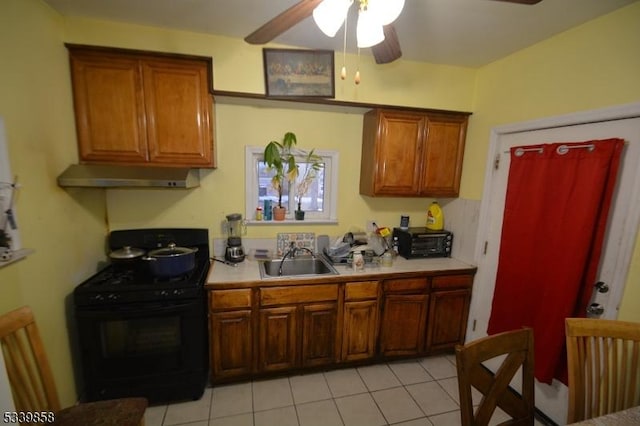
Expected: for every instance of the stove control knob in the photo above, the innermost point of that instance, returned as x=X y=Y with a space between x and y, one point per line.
x=113 y=297
x=178 y=292
x=98 y=298
x=164 y=293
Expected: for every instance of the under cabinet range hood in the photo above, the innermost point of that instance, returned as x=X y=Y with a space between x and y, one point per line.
x=108 y=176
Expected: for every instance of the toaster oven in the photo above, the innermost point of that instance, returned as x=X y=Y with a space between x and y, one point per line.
x=423 y=242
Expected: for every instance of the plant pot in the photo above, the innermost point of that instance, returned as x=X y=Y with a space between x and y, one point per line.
x=299 y=214
x=279 y=213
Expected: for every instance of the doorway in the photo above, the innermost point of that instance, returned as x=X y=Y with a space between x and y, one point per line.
x=622 y=122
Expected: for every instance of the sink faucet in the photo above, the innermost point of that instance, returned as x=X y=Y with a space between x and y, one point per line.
x=293 y=249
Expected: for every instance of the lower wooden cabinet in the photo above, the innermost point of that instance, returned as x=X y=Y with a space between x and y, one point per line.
x=231 y=335
x=360 y=320
x=297 y=326
x=359 y=330
x=403 y=324
x=278 y=338
x=292 y=327
x=448 y=311
x=297 y=336
x=231 y=343
x=319 y=334
x=404 y=316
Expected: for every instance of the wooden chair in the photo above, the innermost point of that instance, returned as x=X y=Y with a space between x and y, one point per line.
x=603 y=358
x=32 y=383
x=517 y=349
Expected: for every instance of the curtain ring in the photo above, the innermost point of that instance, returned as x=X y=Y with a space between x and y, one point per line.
x=562 y=149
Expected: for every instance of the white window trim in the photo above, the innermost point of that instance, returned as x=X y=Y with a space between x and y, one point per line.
x=254 y=154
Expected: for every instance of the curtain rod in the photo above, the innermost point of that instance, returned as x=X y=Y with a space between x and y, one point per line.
x=562 y=149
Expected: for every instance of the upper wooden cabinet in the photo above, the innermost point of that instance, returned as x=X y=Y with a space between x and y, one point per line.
x=412 y=154
x=142 y=108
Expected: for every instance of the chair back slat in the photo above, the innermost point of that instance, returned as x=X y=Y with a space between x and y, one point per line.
x=18 y=371
x=27 y=367
x=633 y=390
x=603 y=359
x=517 y=349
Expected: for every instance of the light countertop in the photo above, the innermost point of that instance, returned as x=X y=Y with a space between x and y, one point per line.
x=247 y=273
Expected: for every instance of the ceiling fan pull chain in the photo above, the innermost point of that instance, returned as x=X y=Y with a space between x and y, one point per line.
x=343 y=72
x=357 y=78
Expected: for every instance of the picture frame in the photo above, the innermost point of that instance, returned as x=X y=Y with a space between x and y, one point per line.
x=299 y=73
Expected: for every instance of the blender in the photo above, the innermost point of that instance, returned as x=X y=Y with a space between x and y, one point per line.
x=234 y=252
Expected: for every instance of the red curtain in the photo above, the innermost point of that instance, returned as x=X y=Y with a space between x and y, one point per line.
x=554 y=222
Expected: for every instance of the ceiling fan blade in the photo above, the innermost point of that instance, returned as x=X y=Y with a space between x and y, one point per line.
x=522 y=1
x=282 y=22
x=389 y=50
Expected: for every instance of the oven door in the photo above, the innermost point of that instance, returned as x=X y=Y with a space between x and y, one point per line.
x=154 y=343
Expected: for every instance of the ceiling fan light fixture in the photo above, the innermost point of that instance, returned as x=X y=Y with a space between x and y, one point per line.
x=369 y=30
x=330 y=15
x=386 y=11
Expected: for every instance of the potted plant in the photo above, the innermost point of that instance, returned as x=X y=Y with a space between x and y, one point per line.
x=314 y=164
x=281 y=158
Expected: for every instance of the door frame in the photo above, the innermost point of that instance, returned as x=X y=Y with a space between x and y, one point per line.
x=487 y=267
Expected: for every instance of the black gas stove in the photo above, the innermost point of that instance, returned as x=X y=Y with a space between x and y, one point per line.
x=140 y=335
x=132 y=282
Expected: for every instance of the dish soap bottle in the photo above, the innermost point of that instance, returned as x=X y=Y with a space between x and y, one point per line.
x=435 y=217
x=358 y=261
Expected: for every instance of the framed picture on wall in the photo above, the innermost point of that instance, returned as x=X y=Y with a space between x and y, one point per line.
x=299 y=73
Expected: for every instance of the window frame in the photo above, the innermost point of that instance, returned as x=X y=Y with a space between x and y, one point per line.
x=254 y=154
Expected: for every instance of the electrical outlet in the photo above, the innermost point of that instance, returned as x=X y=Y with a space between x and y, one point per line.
x=370 y=225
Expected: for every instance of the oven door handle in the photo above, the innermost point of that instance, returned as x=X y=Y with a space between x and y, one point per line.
x=136 y=310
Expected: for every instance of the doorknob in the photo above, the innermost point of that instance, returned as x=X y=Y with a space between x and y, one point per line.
x=602 y=287
x=595 y=309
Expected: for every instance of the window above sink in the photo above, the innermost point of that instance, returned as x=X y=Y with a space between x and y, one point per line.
x=319 y=204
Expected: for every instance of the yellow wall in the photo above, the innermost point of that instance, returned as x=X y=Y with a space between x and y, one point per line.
x=592 y=66
x=66 y=229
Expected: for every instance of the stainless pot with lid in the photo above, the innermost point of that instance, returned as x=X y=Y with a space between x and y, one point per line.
x=126 y=253
x=171 y=261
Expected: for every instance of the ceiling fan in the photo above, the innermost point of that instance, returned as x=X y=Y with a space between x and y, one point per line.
x=384 y=52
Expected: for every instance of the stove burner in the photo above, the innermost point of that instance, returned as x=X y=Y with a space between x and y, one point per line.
x=113 y=277
x=116 y=276
x=177 y=278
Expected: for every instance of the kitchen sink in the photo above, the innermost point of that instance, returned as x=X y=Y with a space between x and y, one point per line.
x=296 y=267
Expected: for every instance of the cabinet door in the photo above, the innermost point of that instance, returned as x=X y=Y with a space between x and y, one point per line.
x=231 y=344
x=359 y=332
x=448 y=314
x=391 y=153
x=109 y=108
x=403 y=324
x=319 y=334
x=278 y=338
x=178 y=107
x=442 y=155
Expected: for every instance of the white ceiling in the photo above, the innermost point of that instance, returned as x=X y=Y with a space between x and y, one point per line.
x=455 y=32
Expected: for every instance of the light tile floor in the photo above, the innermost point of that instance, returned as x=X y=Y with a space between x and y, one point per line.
x=421 y=392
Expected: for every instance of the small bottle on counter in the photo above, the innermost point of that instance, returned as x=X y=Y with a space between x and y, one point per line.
x=267 y=210
x=387 y=259
x=258 y=213
x=358 y=261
